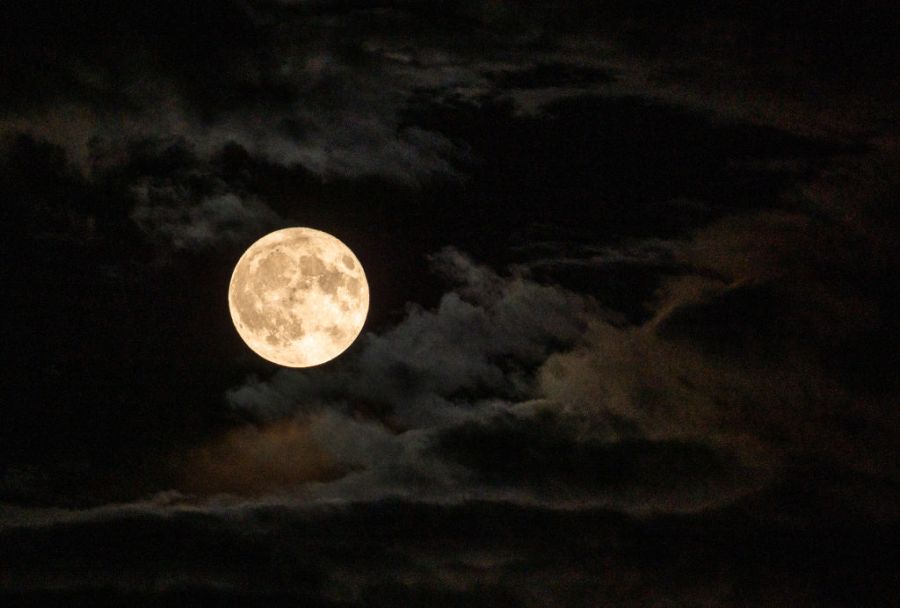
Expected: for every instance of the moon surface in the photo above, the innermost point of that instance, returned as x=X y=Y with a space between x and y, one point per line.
x=298 y=297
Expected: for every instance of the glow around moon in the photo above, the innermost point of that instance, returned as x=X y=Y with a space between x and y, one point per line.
x=298 y=297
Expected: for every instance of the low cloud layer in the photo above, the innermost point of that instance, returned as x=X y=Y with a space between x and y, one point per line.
x=475 y=554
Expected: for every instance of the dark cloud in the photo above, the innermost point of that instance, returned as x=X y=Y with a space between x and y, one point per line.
x=572 y=456
x=550 y=75
x=164 y=214
x=293 y=87
x=760 y=354
x=808 y=67
x=472 y=554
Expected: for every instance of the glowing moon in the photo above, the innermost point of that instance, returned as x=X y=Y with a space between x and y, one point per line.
x=298 y=297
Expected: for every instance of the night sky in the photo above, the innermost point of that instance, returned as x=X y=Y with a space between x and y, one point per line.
x=634 y=303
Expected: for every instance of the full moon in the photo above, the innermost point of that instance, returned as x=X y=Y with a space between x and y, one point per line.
x=298 y=297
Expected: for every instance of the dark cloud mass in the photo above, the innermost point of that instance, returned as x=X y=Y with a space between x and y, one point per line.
x=633 y=326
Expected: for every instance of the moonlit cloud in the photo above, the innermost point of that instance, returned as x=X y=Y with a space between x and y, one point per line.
x=163 y=214
x=420 y=371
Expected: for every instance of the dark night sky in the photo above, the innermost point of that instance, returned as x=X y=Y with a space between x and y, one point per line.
x=633 y=334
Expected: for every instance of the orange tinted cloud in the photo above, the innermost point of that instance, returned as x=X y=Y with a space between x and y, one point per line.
x=251 y=461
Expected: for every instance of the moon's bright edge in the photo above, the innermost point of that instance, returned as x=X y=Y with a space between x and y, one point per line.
x=298 y=297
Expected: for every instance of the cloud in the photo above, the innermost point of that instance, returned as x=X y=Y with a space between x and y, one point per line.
x=333 y=86
x=799 y=67
x=747 y=372
x=391 y=411
x=757 y=352
x=252 y=461
x=292 y=88
x=570 y=458
x=474 y=554
x=165 y=216
x=510 y=410
x=421 y=372
x=324 y=85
